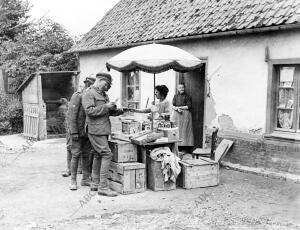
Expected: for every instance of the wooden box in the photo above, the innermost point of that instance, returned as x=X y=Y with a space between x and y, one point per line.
x=198 y=173
x=123 y=151
x=155 y=177
x=203 y=172
x=127 y=178
x=171 y=133
x=130 y=127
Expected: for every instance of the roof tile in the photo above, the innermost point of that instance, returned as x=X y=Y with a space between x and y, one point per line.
x=135 y=21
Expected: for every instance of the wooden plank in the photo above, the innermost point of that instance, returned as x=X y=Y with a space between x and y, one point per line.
x=155 y=177
x=132 y=179
x=123 y=151
x=140 y=178
x=116 y=186
x=29 y=94
x=199 y=175
x=222 y=149
x=127 y=180
x=30 y=120
x=113 y=175
x=126 y=183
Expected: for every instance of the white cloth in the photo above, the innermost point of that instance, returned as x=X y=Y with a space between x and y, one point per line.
x=169 y=162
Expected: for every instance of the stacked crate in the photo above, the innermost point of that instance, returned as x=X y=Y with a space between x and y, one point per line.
x=126 y=175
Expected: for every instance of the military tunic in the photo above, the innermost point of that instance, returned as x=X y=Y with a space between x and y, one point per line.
x=76 y=125
x=97 y=119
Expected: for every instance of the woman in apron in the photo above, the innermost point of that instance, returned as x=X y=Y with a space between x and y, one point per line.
x=182 y=117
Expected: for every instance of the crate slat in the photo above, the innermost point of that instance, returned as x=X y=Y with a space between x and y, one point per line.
x=199 y=173
x=123 y=151
x=127 y=178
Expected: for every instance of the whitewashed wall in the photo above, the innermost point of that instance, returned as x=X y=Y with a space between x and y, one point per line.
x=236 y=68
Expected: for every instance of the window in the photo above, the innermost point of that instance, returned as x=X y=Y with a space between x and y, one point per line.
x=287 y=115
x=283 y=115
x=131 y=90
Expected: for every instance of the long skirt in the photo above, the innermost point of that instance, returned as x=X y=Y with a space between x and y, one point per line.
x=184 y=122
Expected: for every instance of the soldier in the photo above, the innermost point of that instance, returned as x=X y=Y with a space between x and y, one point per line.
x=79 y=141
x=98 y=109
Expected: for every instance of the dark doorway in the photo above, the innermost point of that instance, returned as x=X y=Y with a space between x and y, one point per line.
x=195 y=86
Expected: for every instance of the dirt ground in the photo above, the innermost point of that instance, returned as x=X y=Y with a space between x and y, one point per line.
x=33 y=195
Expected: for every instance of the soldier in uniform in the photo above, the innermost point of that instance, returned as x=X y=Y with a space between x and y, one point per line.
x=80 y=145
x=98 y=109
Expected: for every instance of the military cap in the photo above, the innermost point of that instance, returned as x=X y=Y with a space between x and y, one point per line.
x=89 y=80
x=104 y=76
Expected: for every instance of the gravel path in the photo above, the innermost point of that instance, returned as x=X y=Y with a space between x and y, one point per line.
x=35 y=196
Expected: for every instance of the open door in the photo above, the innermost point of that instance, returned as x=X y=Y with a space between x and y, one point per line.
x=195 y=86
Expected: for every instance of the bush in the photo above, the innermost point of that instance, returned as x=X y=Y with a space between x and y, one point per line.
x=10 y=111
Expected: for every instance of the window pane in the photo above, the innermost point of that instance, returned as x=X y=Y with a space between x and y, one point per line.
x=285 y=103
x=130 y=79
x=137 y=78
x=287 y=76
x=130 y=93
x=285 y=119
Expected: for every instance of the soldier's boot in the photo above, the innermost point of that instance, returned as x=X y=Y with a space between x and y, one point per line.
x=74 y=167
x=104 y=188
x=67 y=173
x=79 y=170
x=96 y=173
x=85 y=172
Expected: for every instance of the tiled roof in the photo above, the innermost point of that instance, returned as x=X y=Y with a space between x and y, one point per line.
x=135 y=21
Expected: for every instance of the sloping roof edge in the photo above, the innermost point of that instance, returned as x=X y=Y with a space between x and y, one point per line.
x=28 y=79
x=200 y=36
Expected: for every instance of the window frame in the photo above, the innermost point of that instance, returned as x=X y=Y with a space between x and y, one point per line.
x=125 y=86
x=272 y=131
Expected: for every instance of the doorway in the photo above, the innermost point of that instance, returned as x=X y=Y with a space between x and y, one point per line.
x=195 y=86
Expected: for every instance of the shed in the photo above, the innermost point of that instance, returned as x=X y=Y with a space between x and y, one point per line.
x=44 y=97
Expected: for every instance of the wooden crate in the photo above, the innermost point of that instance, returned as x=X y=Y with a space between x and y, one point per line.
x=123 y=151
x=130 y=127
x=198 y=173
x=155 y=177
x=127 y=178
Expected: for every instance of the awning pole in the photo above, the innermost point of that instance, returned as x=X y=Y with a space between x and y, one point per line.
x=152 y=122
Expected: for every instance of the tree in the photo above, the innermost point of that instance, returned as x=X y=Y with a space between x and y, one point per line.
x=13 y=18
x=41 y=47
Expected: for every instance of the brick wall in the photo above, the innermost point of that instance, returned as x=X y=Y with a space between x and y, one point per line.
x=259 y=152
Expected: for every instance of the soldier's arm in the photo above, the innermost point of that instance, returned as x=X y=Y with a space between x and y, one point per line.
x=90 y=108
x=116 y=112
x=73 y=111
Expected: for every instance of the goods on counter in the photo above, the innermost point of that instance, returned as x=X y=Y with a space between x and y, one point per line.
x=127 y=178
x=161 y=124
x=130 y=127
x=157 y=124
x=123 y=151
x=146 y=138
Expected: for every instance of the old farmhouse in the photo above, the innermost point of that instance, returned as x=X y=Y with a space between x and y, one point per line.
x=249 y=85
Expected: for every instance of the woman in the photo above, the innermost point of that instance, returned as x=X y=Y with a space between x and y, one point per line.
x=182 y=117
x=163 y=107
